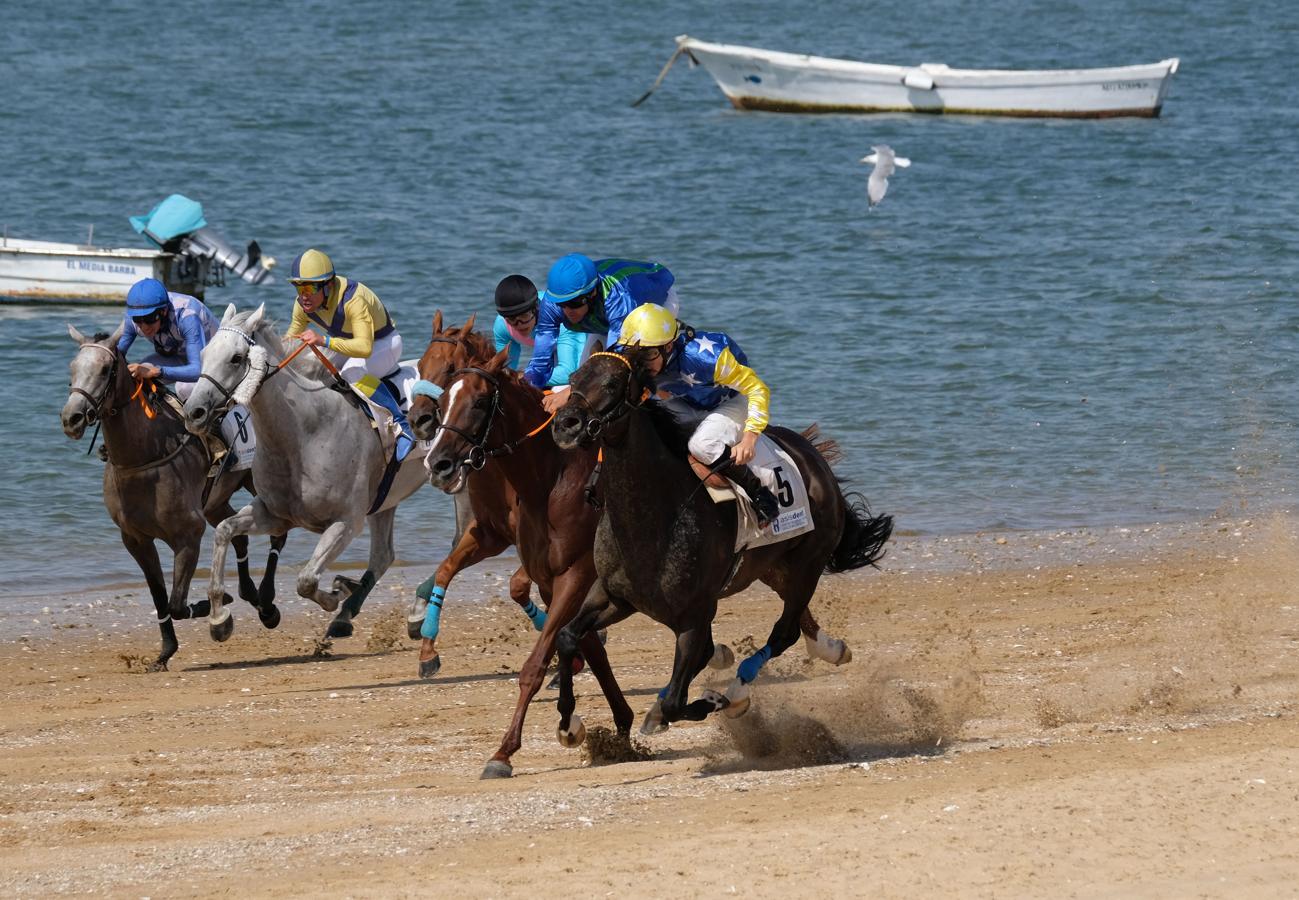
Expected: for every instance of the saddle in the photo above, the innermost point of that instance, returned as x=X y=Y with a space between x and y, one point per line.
x=780 y=474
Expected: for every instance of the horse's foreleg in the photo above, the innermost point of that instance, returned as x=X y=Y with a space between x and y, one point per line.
x=821 y=644
x=218 y=509
x=333 y=540
x=252 y=519
x=694 y=649
x=185 y=552
x=381 y=557
x=145 y=554
x=424 y=620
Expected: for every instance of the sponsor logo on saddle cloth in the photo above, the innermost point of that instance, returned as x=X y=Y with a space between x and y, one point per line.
x=778 y=472
x=237 y=430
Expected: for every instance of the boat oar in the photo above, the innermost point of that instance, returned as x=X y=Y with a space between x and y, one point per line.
x=659 y=80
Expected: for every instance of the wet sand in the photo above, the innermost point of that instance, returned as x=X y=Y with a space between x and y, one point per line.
x=1087 y=713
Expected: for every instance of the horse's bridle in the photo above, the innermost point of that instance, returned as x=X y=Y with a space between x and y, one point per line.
x=596 y=424
x=227 y=394
x=97 y=403
x=478 y=452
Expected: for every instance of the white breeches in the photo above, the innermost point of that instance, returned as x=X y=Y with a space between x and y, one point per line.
x=384 y=359
x=721 y=428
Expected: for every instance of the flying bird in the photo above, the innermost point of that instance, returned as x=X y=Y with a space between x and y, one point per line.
x=885 y=161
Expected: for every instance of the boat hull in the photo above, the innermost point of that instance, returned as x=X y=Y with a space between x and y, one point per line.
x=786 y=82
x=70 y=273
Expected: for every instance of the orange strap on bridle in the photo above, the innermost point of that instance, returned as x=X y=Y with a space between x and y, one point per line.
x=144 y=401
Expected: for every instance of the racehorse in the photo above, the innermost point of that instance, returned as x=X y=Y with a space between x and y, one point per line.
x=155 y=485
x=491 y=499
x=664 y=548
x=319 y=463
x=489 y=412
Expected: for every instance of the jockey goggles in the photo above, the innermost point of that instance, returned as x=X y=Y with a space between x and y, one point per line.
x=150 y=317
x=578 y=302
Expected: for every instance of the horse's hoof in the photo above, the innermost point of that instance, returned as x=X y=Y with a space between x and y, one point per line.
x=270 y=617
x=653 y=722
x=827 y=649
x=497 y=768
x=575 y=735
x=429 y=667
x=736 y=709
x=413 y=625
x=158 y=665
x=846 y=657
x=222 y=630
x=723 y=657
x=340 y=629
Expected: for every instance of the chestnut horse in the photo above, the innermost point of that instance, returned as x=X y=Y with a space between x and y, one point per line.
x=489 y=412
x=491 y=499
x=664 y=548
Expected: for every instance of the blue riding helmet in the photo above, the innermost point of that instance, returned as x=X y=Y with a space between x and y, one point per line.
x=571 y=276
x=145 y=296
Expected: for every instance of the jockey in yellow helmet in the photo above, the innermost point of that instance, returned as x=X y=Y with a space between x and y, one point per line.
x=359 y=336
x=706 y=370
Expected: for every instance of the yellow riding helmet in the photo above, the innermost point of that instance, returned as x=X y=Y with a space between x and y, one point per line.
x=311 y=267
x=648 y=325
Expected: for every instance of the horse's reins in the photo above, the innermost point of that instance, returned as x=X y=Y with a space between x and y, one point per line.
x=595 y=425
x=479 y=453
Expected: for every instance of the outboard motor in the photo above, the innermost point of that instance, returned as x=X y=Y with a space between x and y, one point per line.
x=202 y=255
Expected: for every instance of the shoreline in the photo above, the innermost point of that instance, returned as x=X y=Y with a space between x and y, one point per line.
x=1101 y=715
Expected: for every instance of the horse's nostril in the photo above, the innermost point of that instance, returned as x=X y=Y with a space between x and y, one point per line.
x=570 y=423
x=443 y=467
x=75 y=419
x=196 y=414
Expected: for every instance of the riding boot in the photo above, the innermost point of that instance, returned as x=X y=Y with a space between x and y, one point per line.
x=386 y=396
x=765 y=505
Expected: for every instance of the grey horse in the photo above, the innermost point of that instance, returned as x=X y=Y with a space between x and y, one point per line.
x=155 y=486
x=318 y=466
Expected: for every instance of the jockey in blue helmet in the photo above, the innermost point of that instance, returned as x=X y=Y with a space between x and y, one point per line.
x=592 y=297
x=179 y=327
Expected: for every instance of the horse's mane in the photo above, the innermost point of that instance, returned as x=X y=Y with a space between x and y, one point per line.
x=267 y=334
x=101 y=336
x=478 y=345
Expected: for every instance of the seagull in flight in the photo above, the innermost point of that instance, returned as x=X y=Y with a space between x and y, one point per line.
x=885 y=161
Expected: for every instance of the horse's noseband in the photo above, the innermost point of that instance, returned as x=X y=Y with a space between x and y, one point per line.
x=97 y=403
x=227 y=394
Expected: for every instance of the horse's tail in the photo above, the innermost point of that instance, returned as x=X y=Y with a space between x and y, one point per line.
x=864 y=535
x=828 y=448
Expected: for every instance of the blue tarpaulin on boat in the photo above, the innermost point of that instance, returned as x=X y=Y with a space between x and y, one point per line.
x=172 y=217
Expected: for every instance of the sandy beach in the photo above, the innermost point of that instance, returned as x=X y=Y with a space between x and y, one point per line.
x=1092 y=713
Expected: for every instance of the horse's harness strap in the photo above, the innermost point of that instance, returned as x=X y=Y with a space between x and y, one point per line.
x=479 y=453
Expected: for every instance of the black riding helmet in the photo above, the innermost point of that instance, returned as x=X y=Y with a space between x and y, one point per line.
x=515 y=295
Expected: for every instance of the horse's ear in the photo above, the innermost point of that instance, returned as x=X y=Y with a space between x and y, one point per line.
x=230 y=314
x=116 y=335
x=437 y=322
x=469 y=324
x=497 y=362
x=256 y=318
x=76 y=335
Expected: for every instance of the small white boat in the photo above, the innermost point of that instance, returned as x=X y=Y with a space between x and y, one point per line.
x=188 y=257
x=790 y=82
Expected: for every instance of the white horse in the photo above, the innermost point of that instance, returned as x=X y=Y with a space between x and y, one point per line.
x=318 y=466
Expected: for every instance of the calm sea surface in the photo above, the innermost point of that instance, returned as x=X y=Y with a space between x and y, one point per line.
x=1046 y=323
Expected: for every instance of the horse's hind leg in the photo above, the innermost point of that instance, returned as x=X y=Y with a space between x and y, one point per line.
x=821 y=644
x=796 y=593
x=333 y=540
x=381 y=557
x=145 y=555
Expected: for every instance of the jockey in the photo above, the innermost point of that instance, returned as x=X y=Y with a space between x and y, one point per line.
x=516 y=321
x=359 y=335
x=593 y=297
x=179 y=327
x=707 y=370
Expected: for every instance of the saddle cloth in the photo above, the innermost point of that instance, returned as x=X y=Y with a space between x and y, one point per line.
x=237 y=430
x=381 y=417
x=777 y=471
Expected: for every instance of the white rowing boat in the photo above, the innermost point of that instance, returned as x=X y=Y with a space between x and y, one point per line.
x=790 y=82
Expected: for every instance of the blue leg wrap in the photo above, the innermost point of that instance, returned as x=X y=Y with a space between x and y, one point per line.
x=433 y=614
x=663 y=691
x=750 y=667
x=536 y=614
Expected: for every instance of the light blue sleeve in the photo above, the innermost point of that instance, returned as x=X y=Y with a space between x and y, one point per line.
x=568 y=356
x=501 y=335
x=129 y=335
x=195 y=341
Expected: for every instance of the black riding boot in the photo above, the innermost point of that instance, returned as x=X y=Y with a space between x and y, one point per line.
x=765 y=506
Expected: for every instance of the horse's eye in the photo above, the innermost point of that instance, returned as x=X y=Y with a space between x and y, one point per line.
x=237 y=359
x=104 y=371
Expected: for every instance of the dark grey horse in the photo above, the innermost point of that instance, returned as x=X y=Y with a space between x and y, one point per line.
x=154 y=485
x=664 y=548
